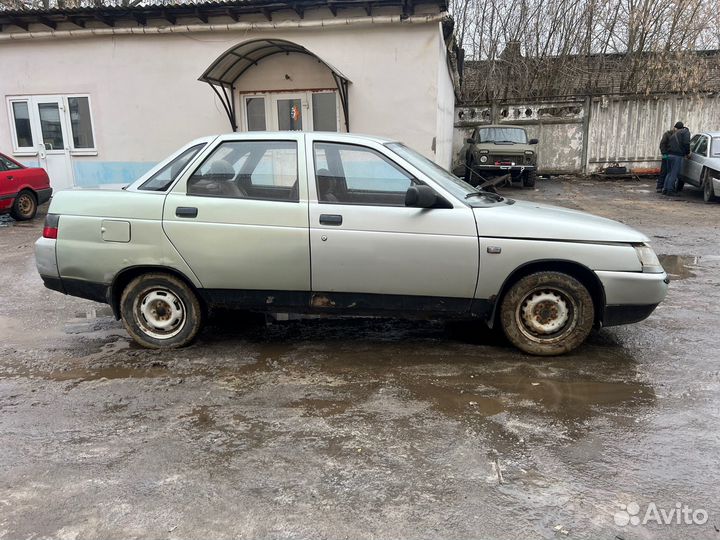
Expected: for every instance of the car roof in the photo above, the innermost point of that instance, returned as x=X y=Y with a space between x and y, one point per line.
x=711 y=133
x=316 y=134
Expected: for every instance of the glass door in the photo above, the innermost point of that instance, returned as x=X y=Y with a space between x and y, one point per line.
x=54 y=151
x=289 y=111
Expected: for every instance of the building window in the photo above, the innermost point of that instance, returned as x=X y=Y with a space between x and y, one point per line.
x=266 y=170
x=255 y=107
x=21 y=116
x=57 y=122
x=324 y=105
x=81 y=123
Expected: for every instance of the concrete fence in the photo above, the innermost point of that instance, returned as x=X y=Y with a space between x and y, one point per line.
x=581 y=136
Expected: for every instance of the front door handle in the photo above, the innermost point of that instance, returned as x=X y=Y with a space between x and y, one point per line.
x=10 y=177
x=186 y=212
x=330 y=219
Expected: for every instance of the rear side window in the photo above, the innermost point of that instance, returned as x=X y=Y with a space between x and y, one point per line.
x=8 y=165
x=266 y=170
x=162 y=179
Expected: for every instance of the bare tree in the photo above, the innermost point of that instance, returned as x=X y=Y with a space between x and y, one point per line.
x=558 y=47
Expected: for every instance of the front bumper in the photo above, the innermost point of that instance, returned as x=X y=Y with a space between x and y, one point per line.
x=631 y=296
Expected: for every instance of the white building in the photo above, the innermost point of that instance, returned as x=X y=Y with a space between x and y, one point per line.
x=98 y=95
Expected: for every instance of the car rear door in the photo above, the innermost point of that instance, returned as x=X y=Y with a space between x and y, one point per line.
x=240 y=220
x=371 y=251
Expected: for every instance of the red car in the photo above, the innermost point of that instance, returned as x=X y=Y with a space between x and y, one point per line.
x=22 y=188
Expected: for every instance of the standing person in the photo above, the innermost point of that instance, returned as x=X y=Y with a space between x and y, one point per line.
x=679 y=149
x=664 y=150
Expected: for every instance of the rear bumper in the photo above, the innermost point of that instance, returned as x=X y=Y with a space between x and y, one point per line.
x=44 y=195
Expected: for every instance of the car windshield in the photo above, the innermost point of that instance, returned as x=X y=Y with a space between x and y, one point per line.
x=459 y=188
x=715 y=152
x=501 y=135
x=162 y=179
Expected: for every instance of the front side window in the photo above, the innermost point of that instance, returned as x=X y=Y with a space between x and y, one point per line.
x=701 y=147
x=161 y=180
x=349 y=174
x=265 y=170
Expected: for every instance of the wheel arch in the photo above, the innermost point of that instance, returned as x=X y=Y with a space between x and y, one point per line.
x=572 y=268
x=126 y=275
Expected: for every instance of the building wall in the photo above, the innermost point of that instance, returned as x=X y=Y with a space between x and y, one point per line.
x=445 y=107
x=146 y=99
x=585 y=136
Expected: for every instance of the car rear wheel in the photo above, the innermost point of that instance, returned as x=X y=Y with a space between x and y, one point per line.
x=160 y=311
x=547 y=313
x=708 y=191
x=25 y=206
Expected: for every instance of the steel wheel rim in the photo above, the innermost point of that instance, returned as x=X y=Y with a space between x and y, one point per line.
x=160 y=313
x=546 y=314
x=25 y=205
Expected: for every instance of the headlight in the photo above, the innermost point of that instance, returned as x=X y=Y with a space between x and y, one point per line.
x=648 y=259
x=483 y=159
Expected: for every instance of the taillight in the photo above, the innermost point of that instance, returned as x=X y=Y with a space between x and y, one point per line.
x=50 y=229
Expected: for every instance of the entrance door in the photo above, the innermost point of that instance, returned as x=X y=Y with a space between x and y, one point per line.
x=54 y=151
x=311 y=110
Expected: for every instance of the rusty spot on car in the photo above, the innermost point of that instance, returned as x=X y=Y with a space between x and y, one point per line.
x=321 y=301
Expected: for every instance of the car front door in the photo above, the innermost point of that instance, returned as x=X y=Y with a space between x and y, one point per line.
x=240 y=221
x=692 y=166
x=369 y=251
x=698 y=155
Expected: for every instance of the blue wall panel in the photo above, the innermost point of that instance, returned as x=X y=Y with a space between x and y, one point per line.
x=97 y=173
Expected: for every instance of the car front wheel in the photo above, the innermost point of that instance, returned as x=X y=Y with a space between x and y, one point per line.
x=25 y=206
x=547 y=313
x=160 y=311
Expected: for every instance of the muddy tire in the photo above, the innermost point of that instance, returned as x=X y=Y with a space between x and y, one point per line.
x=529 y=179
x=708 y=191
x=25 y=206
x=547 y=314
x=160 y=311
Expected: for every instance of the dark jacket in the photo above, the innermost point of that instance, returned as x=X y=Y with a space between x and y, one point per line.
x=680 y=142
x=665 y=142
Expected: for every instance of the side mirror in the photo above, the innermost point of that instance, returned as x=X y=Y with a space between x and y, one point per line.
x=420 y=197
x=533 y=141
x=469 y=141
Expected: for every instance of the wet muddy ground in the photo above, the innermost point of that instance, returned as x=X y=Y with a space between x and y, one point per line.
x=366 y=428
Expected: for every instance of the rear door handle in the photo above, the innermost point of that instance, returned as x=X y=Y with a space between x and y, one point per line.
x=10 y=177
x=330 y=219
x=186 y=212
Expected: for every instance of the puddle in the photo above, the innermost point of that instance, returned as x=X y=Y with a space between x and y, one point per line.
x=679 y=266
x=321 y=407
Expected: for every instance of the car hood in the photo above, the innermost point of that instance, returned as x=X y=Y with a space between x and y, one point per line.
x=546 y=222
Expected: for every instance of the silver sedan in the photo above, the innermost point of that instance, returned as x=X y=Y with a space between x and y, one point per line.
x=702 y=168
